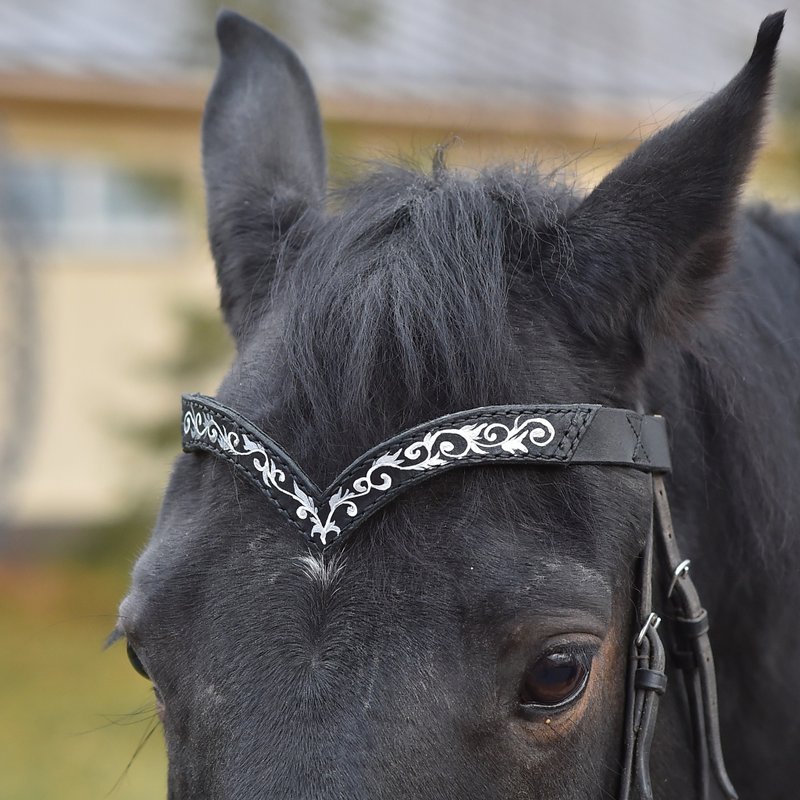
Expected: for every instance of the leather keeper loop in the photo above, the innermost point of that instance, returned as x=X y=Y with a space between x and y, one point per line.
x=692 y=628
x=685 y=660
x=652 y=680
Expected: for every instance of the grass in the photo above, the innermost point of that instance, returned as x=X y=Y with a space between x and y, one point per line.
x=71 y=715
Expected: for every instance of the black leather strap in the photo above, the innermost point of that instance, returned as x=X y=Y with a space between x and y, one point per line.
x=646 y=682
x=625 y=438
x=646 y=677
x=650 y=680
x=690 y=628
x=651 y=654
x=560 y=435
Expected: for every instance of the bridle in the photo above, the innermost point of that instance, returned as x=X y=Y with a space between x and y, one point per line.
x=561 y=435
x=691 y=652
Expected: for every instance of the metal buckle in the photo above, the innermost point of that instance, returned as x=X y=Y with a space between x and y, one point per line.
x=681 y=570
x=653 y=621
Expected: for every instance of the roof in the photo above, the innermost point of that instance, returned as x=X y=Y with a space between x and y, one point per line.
x=620 y=57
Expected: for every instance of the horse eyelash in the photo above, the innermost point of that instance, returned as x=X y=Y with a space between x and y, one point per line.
x=113 y=637
x=584 y=654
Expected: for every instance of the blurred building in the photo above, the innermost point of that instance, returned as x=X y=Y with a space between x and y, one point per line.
x=100 y=105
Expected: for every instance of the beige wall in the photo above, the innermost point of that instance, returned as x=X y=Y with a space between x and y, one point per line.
x=107 y=318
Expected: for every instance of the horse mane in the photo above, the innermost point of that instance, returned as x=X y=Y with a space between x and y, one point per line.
x=399 y=306
x=735 y=374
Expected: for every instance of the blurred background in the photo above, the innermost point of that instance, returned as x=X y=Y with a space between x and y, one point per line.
x=108 y=306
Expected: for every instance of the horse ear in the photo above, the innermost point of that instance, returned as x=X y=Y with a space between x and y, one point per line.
x=263 y=160
x=657 y=229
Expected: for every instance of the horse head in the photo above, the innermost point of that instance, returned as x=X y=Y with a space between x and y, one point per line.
x=470 y=638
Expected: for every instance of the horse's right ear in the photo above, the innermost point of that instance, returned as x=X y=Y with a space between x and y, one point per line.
x=263 y=160
x=656 y=232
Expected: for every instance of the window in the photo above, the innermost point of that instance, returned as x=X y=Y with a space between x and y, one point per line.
x=93 y=206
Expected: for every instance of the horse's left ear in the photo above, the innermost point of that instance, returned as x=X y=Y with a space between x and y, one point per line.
x=657 y=229
x=263 y=160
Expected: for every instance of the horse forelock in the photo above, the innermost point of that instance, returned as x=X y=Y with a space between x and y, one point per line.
x=404 y=304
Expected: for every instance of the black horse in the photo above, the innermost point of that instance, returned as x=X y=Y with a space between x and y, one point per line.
x=471 y=638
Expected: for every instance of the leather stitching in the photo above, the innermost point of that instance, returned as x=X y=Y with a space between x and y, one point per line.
x=253 y=479
x=580 y=423
x=639 y=448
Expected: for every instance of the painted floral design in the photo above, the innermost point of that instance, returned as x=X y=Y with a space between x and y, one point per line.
x=322 y=518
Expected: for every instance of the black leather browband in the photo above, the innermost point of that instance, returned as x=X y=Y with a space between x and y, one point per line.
x=519 y=434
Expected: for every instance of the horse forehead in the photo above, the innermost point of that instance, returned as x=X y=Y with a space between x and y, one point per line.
x=317 y=570
x=434 y=540
x=488 y=565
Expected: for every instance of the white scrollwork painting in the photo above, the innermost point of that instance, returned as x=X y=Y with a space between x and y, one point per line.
x=201 y=425
x=366 y=483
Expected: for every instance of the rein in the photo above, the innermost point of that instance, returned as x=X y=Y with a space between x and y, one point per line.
x=518 y=434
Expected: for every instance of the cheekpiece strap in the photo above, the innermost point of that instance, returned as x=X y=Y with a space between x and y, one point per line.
x=518 y=434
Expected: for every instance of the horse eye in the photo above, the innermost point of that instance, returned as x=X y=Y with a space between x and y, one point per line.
x=554 y=679
x=136 y=662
